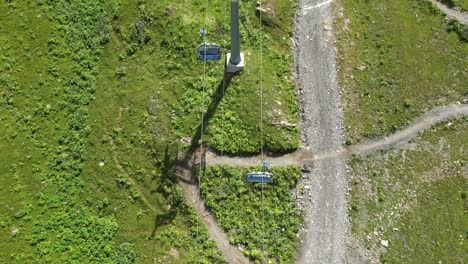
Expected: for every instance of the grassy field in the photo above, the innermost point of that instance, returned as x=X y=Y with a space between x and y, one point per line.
x=96 y=98
x=261 y=219
x=396 y=60
x=61 y=121
x=414 y=198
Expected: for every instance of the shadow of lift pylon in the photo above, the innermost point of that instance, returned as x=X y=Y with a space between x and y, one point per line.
x=234 y=63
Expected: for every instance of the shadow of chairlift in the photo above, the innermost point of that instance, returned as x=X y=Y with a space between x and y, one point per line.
x=261 y=176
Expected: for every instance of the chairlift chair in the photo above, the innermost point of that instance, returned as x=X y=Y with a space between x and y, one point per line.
x=209 y=51
x=261 y=176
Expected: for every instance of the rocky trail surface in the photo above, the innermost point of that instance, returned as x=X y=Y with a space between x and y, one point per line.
x=325 y=210
x=452 y=13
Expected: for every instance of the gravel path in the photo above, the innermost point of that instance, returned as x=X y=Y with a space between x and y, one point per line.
x=458 y=15
x=421 y=123
x=325 y=209
x=305 y=156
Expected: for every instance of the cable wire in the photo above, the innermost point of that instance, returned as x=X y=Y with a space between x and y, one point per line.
x=201 y=133
x=261 y=81
x=261 y=120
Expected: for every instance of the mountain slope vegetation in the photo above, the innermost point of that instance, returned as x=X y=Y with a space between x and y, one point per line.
x=97 y=100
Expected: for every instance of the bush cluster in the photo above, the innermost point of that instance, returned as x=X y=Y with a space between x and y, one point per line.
x=261 y=218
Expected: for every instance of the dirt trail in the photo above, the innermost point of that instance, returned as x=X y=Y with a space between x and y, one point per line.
x=452 y=13
x=300 y=157
x=320 y=163
x=303 y=155
x=421 y=123
x=191 y=192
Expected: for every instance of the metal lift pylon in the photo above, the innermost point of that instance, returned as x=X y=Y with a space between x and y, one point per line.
x=235 y=59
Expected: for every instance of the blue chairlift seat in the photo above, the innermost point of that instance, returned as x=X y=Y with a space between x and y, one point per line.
x=263 y=177
x=209 y=51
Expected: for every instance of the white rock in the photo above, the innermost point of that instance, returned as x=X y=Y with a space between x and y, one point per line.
x=384 y=243
x=101 y=164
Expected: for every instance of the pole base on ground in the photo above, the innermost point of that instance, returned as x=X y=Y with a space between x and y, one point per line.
x=233 y=68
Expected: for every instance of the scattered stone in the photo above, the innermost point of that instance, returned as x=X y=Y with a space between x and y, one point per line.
x=384 y=243
x=186 y=140
x=293 y=42
x=140 y=25
x=287 y=124
x=14 y=230
x=361 y=68
x=101 y=164
x=174 y=252
x=263 y=10
x=305 y=168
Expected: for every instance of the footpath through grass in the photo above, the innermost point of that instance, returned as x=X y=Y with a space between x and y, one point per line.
x=95 y=92
x=415 y=198
x=397 y=59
